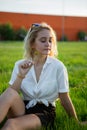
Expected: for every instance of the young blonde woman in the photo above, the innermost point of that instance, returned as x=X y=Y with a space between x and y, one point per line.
x=41 y=78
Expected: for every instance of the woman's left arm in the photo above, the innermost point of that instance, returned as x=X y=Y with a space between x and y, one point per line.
x=68 y=105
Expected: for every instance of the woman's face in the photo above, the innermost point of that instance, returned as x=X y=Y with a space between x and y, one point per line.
x=43 y=42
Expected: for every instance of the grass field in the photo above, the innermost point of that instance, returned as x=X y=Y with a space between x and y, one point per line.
x=74 y=56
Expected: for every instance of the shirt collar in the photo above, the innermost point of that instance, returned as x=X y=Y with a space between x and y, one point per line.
x=48 y=61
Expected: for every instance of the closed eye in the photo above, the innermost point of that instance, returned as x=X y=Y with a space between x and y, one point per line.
x=44 y=39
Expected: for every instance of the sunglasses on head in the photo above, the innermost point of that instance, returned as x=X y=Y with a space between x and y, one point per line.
x=34 y=25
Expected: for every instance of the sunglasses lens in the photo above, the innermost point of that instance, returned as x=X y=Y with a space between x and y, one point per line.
x=35 y=24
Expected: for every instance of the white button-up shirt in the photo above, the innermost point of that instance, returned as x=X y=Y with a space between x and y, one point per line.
x=53 y=80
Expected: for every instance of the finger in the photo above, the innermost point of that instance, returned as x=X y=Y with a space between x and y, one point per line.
x=27 y=64
x=30 y=63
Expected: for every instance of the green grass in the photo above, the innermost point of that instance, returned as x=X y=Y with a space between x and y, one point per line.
x=74 y=56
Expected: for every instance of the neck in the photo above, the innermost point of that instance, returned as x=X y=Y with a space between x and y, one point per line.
x=39 y=60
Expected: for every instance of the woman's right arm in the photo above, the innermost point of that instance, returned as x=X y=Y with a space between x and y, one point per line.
x=17 y=83
x=23 y=69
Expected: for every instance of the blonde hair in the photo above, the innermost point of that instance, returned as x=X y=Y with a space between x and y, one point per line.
x=31 y=36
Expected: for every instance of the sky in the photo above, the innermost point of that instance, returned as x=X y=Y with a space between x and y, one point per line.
x=49 y=7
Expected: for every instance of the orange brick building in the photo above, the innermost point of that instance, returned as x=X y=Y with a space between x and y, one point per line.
x=68 y=25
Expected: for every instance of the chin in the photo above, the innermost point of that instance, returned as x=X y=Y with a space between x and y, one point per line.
x=46 y=54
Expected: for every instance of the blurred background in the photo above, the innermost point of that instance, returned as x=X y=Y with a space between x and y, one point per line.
x=67 y=17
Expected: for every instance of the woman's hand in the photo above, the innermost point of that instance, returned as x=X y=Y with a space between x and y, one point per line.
x=24 y=67
x=83 y=123
x=68 y=106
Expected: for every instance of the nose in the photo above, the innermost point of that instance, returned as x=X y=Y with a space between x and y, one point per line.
x=47 y=43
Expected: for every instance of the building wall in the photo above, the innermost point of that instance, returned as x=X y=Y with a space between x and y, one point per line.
x=69 y=26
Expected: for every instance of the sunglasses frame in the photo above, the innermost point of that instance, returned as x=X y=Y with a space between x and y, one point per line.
x=34 y=25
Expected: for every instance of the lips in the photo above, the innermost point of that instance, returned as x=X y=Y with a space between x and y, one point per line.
x=47 y=49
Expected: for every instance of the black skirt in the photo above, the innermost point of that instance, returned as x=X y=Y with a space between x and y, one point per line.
x=45 y=114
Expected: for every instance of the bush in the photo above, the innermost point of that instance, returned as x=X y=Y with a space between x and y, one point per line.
x=81 y=35
x=6 y=32
x=20 y=34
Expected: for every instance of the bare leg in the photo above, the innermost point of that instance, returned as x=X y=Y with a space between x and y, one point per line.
x=10 y=100
x=26 y=122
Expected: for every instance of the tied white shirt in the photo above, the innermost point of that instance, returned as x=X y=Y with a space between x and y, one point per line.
x=53 y=80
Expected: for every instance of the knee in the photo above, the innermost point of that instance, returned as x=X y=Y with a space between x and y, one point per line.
x=12 y=93
x=9 y=125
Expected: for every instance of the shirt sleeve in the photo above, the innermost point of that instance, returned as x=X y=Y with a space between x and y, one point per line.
x=63 y=83
x=14 y=74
